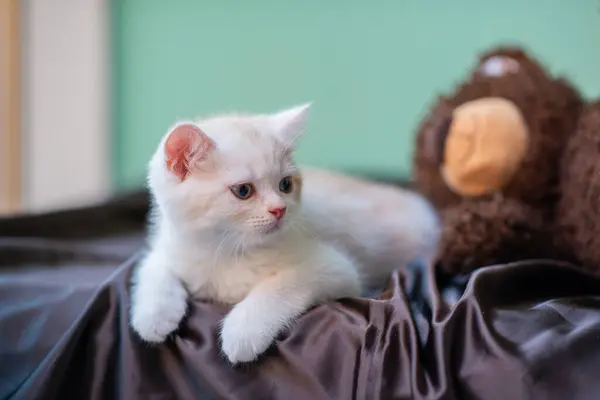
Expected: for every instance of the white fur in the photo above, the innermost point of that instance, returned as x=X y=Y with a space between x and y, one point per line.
x=213 y=246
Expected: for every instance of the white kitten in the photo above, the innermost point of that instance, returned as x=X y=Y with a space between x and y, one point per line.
x=229 y=228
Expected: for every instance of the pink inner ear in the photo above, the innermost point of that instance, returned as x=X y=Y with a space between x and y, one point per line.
x=186 y=145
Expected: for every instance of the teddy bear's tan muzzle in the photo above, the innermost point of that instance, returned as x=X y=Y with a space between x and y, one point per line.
x=486 y=143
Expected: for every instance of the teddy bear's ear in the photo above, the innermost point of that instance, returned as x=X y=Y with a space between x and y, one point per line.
x=504 y=60
x=497 y=66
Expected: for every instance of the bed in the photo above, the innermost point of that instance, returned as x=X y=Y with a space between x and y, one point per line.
x=527 y=330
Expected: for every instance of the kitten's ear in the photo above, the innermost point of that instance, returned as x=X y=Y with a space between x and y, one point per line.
x=186 y=146
x=290 y=124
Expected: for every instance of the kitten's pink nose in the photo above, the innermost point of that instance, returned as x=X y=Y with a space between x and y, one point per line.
x=278 y=212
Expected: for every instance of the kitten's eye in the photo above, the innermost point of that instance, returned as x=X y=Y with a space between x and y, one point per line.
x=243 y=191
x=285 y=185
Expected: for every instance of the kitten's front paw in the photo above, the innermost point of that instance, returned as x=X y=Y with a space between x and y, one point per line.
x=242 y=339
x=154 y=319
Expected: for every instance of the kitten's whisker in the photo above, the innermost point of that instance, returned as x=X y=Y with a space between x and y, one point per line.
x=303 y=229
x=333 y=222
x=236 y=253
x=243 y=246
x=229 y=234
x=330 y=220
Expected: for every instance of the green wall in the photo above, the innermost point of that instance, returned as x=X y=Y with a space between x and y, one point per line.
x=371 y=67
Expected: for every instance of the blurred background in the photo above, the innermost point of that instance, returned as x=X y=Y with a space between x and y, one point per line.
x=89 y=86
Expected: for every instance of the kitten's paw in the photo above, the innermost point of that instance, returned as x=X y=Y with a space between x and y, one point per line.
x=243 y=340
x=153 y=320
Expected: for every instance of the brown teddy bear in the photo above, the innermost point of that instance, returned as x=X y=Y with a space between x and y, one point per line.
x=487 y=157
x=578 y=216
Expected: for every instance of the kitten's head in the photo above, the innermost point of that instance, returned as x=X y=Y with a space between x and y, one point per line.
x=231 y=175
